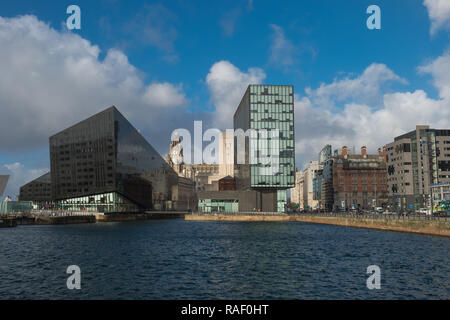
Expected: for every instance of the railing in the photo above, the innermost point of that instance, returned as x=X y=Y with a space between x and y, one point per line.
x=47 y=213
x=251 y=213
x=374 y=216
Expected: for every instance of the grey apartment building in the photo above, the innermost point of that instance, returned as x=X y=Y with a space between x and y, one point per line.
x=415 y=161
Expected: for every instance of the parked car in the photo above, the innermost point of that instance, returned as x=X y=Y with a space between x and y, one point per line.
x=440 y=214
x=422 y=211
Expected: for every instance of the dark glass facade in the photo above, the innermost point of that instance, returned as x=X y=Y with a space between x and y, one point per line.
x=105 y=155
x=270 y=148
x=271 y=108
x=38 y=190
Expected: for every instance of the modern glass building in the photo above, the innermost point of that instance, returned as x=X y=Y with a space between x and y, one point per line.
x=39 y=191
x=268 y=110
x=3 y=182
x=104 y=164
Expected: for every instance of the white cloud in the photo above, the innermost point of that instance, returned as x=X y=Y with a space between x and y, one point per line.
x=49 y=80
x=439 y=69
x=363 y=89
x=227 y=85
x=164 y=95
x=282 y=51
x=19 y=175
x=357 y=123
x=439 y=13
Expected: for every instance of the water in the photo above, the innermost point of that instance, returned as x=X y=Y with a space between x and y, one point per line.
x=177 y=259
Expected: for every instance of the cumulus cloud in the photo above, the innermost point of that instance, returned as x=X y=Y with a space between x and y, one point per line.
x=353 y=111
x=227 y=85
x=439 y=69
x=357 y=123
x=439 y=13
x=50 y=80
x=365 y=88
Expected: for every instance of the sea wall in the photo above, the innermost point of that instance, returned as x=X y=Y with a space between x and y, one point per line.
x=439 y=227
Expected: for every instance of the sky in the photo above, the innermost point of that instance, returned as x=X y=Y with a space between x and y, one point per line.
x=165 y=64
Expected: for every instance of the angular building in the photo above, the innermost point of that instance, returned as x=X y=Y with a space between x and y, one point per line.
x=267 y=165
x=3 y=182
x=104 y=164
x=415 y=161
x=39 y=191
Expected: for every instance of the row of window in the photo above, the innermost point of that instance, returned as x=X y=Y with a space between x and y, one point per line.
x=272 y=89
x=275 y=108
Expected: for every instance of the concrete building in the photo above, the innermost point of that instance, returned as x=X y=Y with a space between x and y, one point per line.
x=415 y=161
x=226 y=154
x=309 y=174
x=297 y=191
x=359 y=181
x=327 y=194
x=206 y=176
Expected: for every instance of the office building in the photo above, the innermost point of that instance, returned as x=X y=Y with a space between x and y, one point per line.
x=415 y=161
x=310 y=174
x=39 y=191
x=297 y=190
x=359 y=181
x=103 y=164
x=266 y=114
x=206 y=176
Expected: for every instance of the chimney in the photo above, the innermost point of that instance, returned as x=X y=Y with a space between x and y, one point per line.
x=364 y=151
x=384 y=155
x=379 y=152
x=344 y=151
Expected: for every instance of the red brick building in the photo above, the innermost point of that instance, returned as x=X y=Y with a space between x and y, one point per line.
x=227 y=184
x=359 y=181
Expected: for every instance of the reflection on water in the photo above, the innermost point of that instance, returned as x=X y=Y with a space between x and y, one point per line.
x=177 y=259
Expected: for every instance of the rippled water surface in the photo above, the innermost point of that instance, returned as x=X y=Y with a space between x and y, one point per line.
x=177 y=259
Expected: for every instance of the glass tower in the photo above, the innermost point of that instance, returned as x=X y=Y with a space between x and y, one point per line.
x=268 y=110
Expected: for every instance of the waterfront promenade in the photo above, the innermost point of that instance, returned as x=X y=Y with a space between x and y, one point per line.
x=78 y=217
x=439 y=226
x=420 y=224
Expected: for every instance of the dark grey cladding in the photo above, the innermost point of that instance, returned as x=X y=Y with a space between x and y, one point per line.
x=37 y=190
x=103 y=154
x=3 y=182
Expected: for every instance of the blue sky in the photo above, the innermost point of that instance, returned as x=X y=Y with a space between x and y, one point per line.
x=170 y=60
